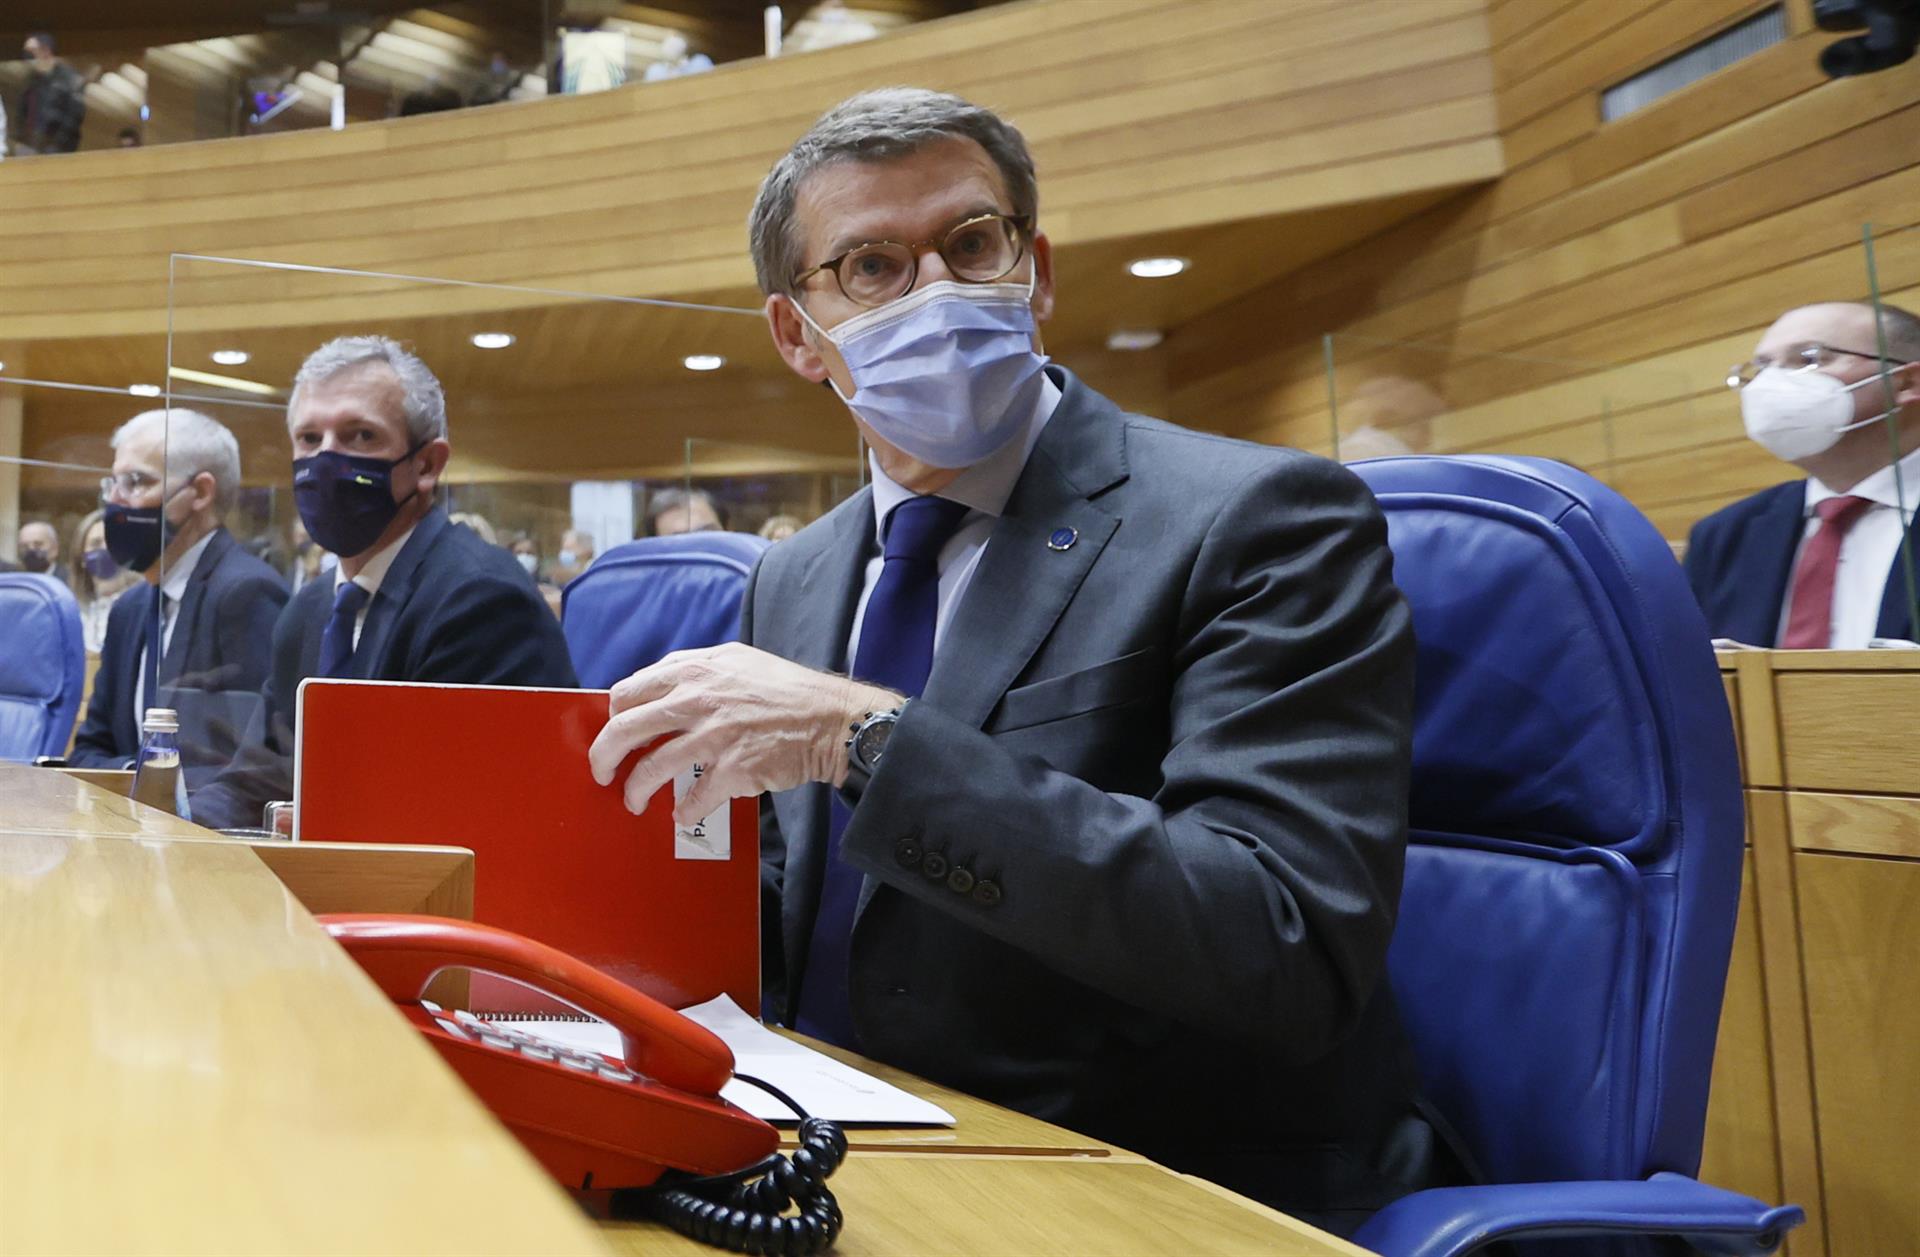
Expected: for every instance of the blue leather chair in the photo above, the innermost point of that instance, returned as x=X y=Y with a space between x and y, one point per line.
x=43 y=666
x=642 y=601
x=1573 y=871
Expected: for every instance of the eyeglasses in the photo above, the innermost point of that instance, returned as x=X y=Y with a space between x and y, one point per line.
x=129 y=483
x=977 y=251
x=1805 y=358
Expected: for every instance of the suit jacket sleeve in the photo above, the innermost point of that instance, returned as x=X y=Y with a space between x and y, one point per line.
x=95 y=746
x=262 y=769
x=773 y=862
x=244 y=621
x=1254 y=893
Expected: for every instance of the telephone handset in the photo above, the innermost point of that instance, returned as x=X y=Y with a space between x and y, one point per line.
x=648 y=1120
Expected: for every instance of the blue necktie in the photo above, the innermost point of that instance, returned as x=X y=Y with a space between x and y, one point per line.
x=336 y=640
x=895 y=650
x=150 y=657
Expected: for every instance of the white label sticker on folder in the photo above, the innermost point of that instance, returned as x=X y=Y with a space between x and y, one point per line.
x=709 y=839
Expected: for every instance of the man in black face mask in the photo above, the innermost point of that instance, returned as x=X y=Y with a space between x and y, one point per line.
x=194 y=637
x=412 y=599
x=40 y=549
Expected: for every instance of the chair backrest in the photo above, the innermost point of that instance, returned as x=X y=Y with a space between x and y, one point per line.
x=648 y=598
x=43 y=665
x=1576 y=821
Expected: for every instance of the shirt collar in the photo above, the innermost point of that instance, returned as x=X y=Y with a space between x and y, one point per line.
x=374 y=570
x=985 y=486
x=1879 y=488
x=181 y=570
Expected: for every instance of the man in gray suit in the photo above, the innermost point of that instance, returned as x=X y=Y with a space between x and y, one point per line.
x=1086 y=737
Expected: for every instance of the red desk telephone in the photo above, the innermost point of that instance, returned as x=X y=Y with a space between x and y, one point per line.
x=653 y=1119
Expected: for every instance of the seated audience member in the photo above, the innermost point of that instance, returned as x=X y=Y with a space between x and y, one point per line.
x=1816 y=563
x=676 y=61
x=176 y=474
x=309 y=560
x=576 y=554
x=780 y=527
x=672 y=512
x=97 y=580
x=1132 y=857
x=413 y=598
x=40 y=548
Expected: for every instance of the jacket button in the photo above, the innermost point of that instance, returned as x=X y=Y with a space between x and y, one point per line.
x=907 y=852
x=934 y=865
x=960 y=881
x=986 y=892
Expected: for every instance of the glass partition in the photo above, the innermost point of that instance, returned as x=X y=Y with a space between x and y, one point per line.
x=1892 y=287
x=567 y=416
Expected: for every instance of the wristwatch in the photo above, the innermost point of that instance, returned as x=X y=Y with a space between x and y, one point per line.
x=868 y=743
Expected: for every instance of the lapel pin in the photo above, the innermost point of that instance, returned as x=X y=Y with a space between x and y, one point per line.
x=1063 y=538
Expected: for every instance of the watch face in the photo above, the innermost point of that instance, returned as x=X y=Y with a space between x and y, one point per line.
x=872 y=741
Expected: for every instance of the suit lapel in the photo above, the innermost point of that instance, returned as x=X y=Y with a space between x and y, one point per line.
x=184 y=654
x=1774 y=536
x=370 y=656
x=1894 y=605
x=126 y=716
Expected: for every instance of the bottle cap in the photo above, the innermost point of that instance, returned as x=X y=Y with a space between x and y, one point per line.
x=161 y=720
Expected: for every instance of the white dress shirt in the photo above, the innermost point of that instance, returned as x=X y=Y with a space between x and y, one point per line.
x=172 y=589
x=374 y=572
x=983 y=487
x=1867 y=552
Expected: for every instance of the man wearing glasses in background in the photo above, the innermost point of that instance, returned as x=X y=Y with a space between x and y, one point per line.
x=209 y=641
x=1818 y=563
x=1086 y=736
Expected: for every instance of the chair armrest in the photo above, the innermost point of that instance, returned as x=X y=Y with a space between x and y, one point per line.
x=1450 y=1221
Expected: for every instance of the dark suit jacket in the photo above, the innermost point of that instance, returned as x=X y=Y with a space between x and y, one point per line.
x=452 y=608
x=1740 y=559
x=1132 y=862
x=211 y=671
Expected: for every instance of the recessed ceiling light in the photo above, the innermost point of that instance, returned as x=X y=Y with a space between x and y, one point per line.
x=1126 y=342
x=231 y=357
x=703 y=362
x=1157 y=268
x=492 y=340
x=144 y=390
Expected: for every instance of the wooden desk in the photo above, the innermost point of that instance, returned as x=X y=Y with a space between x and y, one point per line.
x=1817 y=1079
x=187 y=1064
x=962 y=1205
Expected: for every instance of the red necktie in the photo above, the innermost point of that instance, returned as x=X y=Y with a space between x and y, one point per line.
x=1810 y=615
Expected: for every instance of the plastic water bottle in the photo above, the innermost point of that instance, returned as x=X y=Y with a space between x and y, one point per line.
x=157 y=779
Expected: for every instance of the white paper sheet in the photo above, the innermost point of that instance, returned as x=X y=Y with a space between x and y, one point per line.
x=818 y=1083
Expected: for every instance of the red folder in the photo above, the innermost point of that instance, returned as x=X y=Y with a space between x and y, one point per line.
x=504 y=773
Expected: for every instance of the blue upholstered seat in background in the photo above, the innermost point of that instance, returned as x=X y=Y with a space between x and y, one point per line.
x=645 y=599
x=1574 y=869
x=43 y=666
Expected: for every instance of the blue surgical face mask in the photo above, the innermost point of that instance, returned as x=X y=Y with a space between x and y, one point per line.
x=946 y=374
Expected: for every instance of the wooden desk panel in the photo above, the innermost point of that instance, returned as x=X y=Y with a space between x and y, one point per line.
x=187 y=1064
x=1741 y=1151
x=988 y=1206
x=1850 y=732
x=1863 y=1002
x=41 y=800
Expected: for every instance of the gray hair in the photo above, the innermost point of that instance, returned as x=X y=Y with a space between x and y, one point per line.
x=425 y=401
x=194 y=443
x=677 y=499
x=877 y=126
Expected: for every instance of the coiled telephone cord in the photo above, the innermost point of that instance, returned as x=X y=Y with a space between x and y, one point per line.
x=745 y=1211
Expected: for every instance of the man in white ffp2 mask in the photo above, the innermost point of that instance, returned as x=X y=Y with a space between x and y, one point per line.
x=1818 y=563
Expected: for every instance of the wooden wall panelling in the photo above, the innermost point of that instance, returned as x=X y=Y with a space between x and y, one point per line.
x=1863 y=1002
x=1856 y=824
